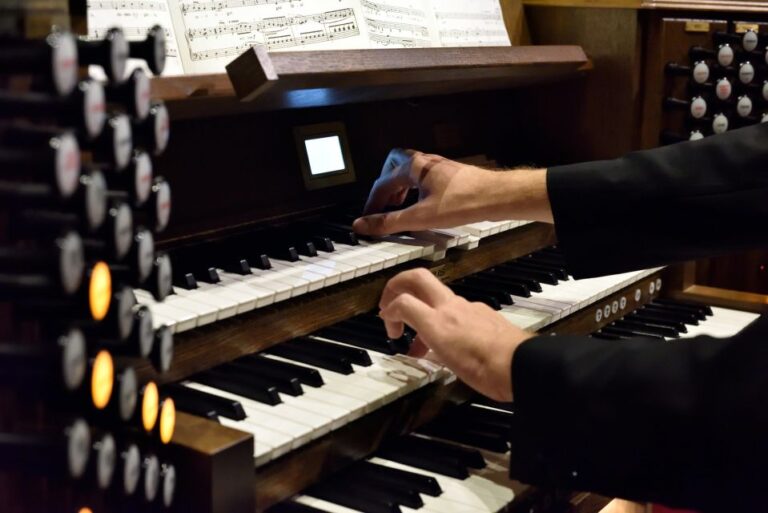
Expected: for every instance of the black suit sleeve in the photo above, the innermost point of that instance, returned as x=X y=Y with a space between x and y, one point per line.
x=683 y=423
x=676 y=203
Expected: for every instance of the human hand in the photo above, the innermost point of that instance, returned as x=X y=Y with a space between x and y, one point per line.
x=450 y=194
x=471 y=339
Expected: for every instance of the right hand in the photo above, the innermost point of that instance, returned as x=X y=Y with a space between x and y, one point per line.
x=450 y=194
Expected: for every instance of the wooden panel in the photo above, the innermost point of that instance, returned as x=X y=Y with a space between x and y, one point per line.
x=565 y=121
x=726 y=298
x=699 y=5
x=514 y=20
x=214 y=466
x=226 y=340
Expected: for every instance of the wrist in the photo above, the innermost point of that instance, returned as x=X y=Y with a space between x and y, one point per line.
x=517 y=194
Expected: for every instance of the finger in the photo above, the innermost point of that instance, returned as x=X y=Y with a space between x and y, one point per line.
x=419 y=283
x=418 y=348
x=416 y=217
x=396 y=158
x=408 y=309
x=384 y=188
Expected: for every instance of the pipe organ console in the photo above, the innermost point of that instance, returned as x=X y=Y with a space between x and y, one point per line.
x=230 y=358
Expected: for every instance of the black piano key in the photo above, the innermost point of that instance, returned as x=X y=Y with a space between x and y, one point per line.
x=286 y=385
x=468 y=457
x=547 y=258
x=503 y=297
x=681 y=316
x=423 y=484
x=488 y=439
x=629 y=332
x=307 y=376
x=197 y=408
x=336 y=232
x=503 y=406
x=260 y=393
x=293 y=507
x=208 y=275
x=642 y=316
x=700 y=313
x=517 y=289
x=352 y=337
x=508 y=290
x=662 y=301
x=374 y=328
x=446 y=466
x=351 y=498
x=663 y=331
x=184 y=280
x=384 y=491
x=222 y=406
x=287 y=253
x=552 y=251
x=541 y=265
x=534 y=273
x=237 y=266
x=292 y=352
x=539 y=276
x=511 y=279
x=323 y=243
x=353 y=354
x=471 y=295
x=502 y=419
x=305 y=248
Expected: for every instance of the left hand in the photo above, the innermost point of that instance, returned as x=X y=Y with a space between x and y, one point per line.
x=471 y=339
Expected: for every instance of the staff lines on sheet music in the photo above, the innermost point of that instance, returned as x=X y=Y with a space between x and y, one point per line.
x=488 y=16
x=381 y=25
x=220 y=5
x=274 y=42
x=116 y=5
x=266 y=24
x=400 y=41
x=391 y=9
x=478 y=33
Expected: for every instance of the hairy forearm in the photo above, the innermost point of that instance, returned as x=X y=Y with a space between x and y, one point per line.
x=516 y=194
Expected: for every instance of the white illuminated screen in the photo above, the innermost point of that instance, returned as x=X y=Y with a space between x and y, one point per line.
x=325 y=155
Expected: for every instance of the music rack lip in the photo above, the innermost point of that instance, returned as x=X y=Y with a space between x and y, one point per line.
x=259 y=80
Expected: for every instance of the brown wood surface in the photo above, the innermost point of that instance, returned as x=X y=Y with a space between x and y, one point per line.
x=214 y=466
x=308 y=79
x=726 y=298
x=226 y=340
x=568 y=122
x=747 y=6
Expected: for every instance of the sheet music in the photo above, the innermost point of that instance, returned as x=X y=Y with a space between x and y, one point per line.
x=399 y=23
x=135 y=17
x=217 y=31
x=470 y=23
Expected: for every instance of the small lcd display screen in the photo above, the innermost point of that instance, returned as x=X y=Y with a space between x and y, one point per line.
x=325 y=155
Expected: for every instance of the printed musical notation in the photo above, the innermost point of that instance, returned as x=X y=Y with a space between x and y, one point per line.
x=391 y=9
x=135 y=17
x=142 y=5
x=399 y=23
x=205 y=35
x=221 y=5
x=274 y=33
x=470 y=23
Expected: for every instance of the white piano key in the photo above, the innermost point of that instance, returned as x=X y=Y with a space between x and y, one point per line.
x=225 y=307
x=323 y=505
x=282 y=286
x=344 y=270
x=183 y=319
x=263 y=296
x=298 y=270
